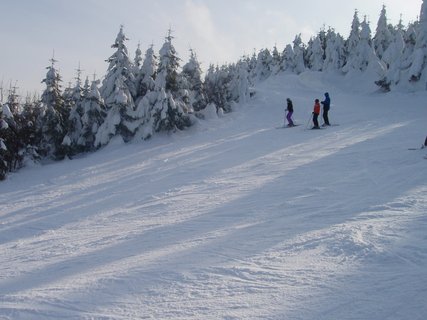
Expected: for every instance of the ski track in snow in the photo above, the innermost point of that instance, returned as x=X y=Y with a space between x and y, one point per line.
x=235 y=221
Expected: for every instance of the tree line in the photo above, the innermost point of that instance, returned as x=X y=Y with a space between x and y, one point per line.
x=136 y=99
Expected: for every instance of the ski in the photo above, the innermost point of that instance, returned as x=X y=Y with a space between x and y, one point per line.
x=422 y=147
x=331 y=125
x=286 y=127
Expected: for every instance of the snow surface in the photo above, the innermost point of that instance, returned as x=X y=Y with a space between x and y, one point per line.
x=231 y=219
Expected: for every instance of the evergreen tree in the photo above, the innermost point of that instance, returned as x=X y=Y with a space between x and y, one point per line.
x=4 y=152
x=383 y=36
x=118 y=90
x=351 y=43
x=167 y=112
x=217 y=83
x=70 y=143
x=397 y=58
x=334 y=51
x=418 y=63
x=315 y=54
x=167 y=73
x=192 y=83
x=138 y=59
x=239 y=84
x=252 y=62
x=27 y=130
x=121 y=67
x=93 y=115
x=406 y=57
x=51 y=121
x=299 y=52
x=147 y=73
x=264 y=65
x=276 y=61
x=288 y=62
x=136 y=70
x=363 y=53
x=11 y=142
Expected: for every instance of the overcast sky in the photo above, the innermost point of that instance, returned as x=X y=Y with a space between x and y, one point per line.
x=82 y=31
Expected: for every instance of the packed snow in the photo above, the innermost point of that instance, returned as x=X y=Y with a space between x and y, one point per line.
x=232 y=218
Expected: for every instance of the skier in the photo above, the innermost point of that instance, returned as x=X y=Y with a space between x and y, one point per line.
x=425 y=144
x=316 y=112
x=326 y=105
x=290 y=111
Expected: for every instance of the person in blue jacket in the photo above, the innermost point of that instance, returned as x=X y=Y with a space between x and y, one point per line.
x=326 y=106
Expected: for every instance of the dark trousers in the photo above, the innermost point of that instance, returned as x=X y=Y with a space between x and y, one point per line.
x=325 y=117
x=315 y=121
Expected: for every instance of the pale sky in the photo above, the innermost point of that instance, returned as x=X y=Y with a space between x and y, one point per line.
x=220 y=31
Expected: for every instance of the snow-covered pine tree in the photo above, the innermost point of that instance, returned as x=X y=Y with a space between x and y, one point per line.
x=299 y=55
x=365 y=51
x=4 y=167
x=118 y=90
x=138 y=59
x=406 y=56
x=191 y=83
x=210 y=84
x=334 y=51
x=410 y=39
x=136 y=69
x=315 y=54
x=392 y=59
x=147 y=73
x=264 y=65
x=288 y=63
x=383 y=37
x=165 y=113
x=352 y=43
x=217 y=82
x=240 y=83
x=276 y=61
x=119 y=66
x=168 y=66
x=51 y=122
x=363 y=54
x=93 y=115
x=70 y=145
x=10 y=144
x=252 y=62
x=13 y=101
x=418 y=65
x=27 y=130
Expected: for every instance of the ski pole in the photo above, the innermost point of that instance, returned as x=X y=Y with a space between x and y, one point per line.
x=308 y=122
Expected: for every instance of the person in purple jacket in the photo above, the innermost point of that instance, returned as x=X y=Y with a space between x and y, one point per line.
x=290 y=111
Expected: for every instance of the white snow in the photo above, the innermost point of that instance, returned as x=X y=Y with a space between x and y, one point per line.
x=232 y=219
x=6 y=111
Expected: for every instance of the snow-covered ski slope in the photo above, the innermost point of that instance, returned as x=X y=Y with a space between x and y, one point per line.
x=231 y=219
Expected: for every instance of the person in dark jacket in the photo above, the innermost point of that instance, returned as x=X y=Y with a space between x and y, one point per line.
x=290 y=111
x=326 y=106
